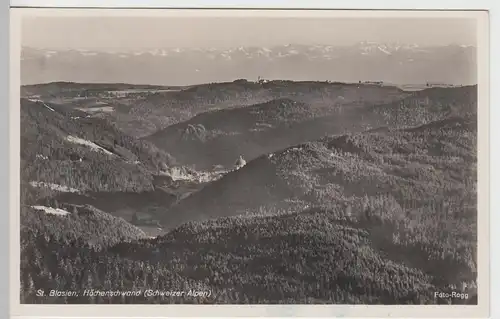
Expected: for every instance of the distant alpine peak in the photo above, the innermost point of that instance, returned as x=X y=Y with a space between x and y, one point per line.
x=411 y=63
x=278 y=50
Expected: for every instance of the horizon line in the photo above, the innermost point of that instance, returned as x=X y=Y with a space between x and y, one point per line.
x=253 y=46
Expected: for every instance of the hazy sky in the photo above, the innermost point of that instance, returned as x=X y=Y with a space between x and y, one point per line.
x=114 y=33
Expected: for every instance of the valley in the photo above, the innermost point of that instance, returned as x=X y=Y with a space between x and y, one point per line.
x=350 y=193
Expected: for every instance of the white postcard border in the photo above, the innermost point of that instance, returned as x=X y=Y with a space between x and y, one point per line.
x=481 y=310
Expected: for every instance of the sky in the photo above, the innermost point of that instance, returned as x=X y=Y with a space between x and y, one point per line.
x=136 y=33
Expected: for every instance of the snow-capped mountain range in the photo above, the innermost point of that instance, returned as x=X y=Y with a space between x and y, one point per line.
x=365 y=61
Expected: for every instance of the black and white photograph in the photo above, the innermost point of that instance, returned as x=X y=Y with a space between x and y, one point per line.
x=245 y=159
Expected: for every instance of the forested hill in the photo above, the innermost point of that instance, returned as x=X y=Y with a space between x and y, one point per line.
x=73 y=151
x=416 y=168
x=310 y=257
x=383 y=214
x=396 y=247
